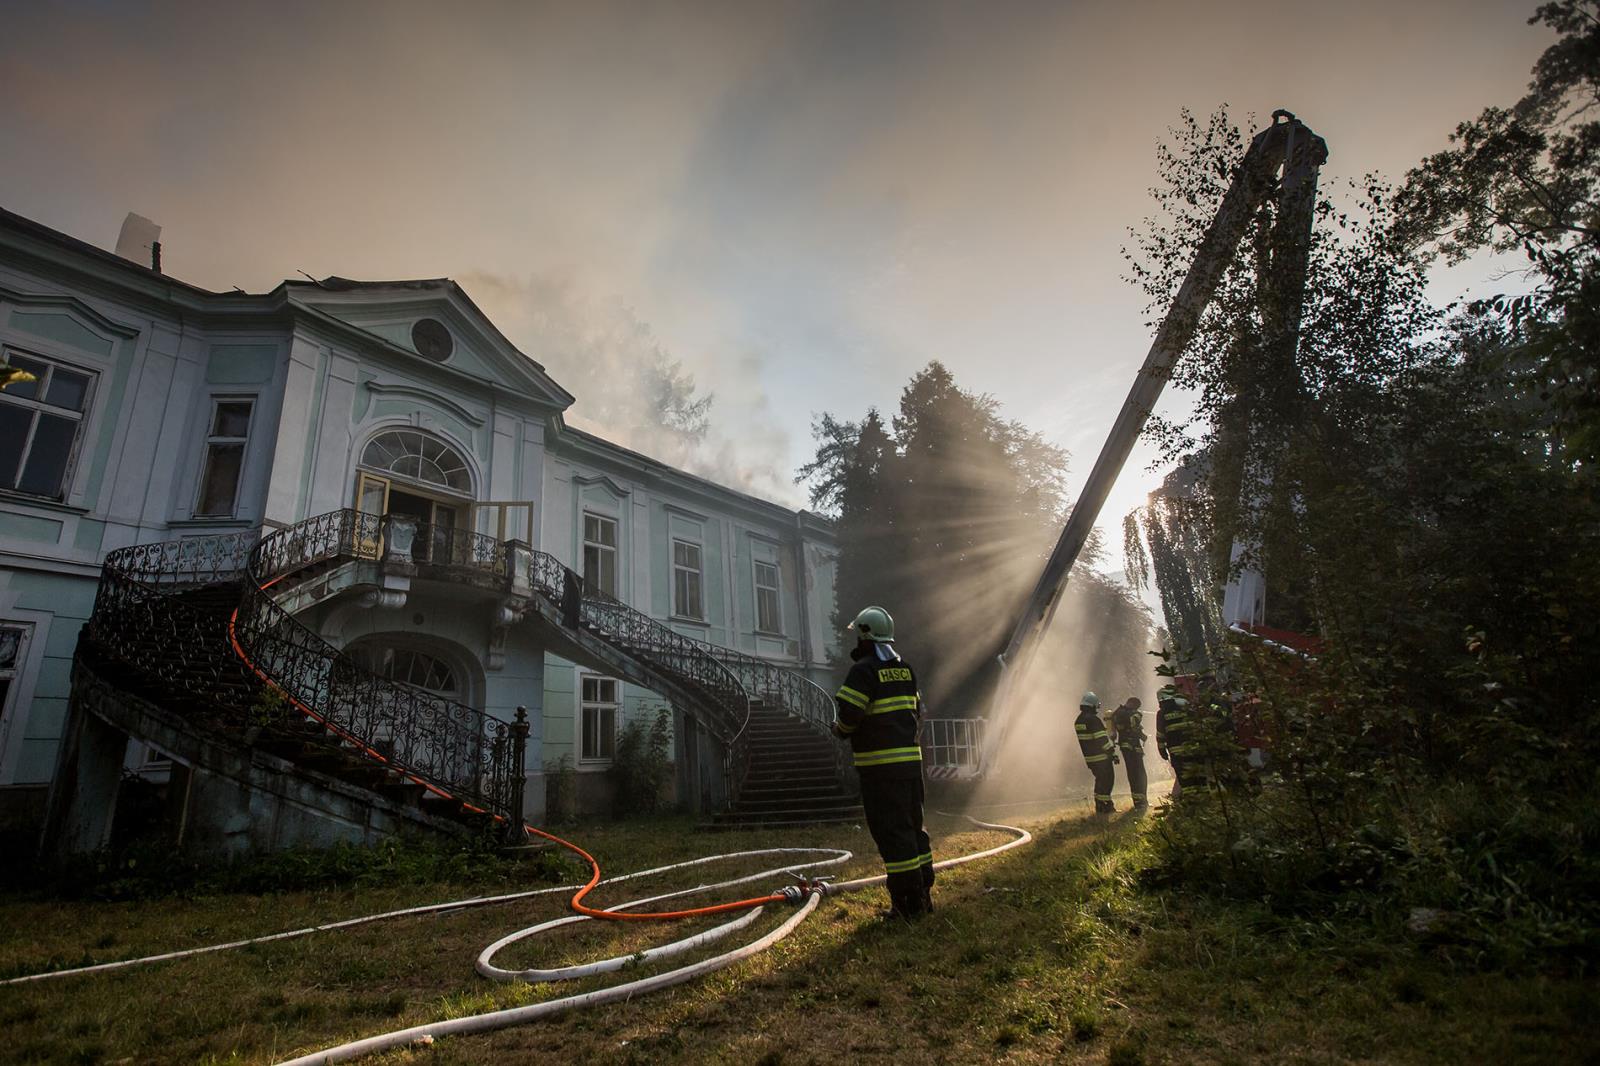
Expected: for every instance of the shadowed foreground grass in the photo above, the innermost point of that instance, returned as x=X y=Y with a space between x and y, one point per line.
x=1049 y=953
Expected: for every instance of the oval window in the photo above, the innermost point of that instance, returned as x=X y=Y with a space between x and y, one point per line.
x=432 y=340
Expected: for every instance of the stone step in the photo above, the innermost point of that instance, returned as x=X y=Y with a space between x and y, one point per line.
x=791 y=789
x=791 y=750
x=787 y=819
x=791 y=756
x=775 y=779
x=789 y=807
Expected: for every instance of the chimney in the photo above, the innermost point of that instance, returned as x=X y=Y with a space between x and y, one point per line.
x=140 y=241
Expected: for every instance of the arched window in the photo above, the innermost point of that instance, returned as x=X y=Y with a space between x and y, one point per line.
x=408 y=665
x=418 y=456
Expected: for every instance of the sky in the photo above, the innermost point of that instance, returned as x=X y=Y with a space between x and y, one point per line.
x=803 y=202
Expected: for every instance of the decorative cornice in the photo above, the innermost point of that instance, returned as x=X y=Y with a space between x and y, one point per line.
x=69 y=303
x=461 y=412
x=602 y=479
x=678 y=509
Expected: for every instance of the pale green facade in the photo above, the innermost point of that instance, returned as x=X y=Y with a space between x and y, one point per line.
x=327 y=369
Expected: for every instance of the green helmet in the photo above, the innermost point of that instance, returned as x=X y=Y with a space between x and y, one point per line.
x=874 y=623
x=1090 y=700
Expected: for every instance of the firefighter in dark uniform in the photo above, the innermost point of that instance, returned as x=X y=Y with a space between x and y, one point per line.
x=1127 y=729
x=1172 y=734
x=879 y=711
x=1097 y=751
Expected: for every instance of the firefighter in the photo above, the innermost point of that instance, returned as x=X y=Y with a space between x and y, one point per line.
x=1127 y=729
x=879 y=710
x=1097 y=751
x=1172 y=728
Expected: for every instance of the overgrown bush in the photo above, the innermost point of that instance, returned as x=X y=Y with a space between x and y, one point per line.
x=1351 y=815
x=640 y=768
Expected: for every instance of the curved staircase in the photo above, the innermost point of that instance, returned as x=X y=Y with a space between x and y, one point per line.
x=204 y=630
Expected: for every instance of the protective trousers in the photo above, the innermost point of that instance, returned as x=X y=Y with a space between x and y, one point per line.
x=1138 y=780
x=893 y=805
x=1105 y=779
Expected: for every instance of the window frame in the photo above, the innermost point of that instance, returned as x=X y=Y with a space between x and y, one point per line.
x=404 y=435
x=698 y=570
x=16 y=701
x=80 y=416
x=213 y=438
x=598 y=707
x=777 y=596
x=615 y=548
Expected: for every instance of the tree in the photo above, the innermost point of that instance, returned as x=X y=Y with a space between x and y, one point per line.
x=946 y=517
x=1405 y=473
x=1526 y=178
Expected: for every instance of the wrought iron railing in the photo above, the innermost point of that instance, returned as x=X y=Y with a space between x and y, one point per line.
x=722 y=700
x=142 y=621
x=187 y=562
x=165 y=640
x=480 y=559
x=456 y=748
x=789 y=691
x=777 y=685
x=146 y=616
x=326 y=538
x=447 y=745
x=479 y=556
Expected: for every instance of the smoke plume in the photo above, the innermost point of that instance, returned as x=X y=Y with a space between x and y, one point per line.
x=633 y=390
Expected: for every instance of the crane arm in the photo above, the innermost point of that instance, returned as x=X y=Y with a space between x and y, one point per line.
x=1287 y=147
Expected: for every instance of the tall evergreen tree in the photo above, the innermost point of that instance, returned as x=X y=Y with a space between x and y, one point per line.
x=946 y=518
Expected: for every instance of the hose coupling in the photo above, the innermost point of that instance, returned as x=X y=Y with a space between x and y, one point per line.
x=805 y=887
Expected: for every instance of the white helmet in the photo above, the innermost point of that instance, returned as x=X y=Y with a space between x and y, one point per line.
x=1090 y=700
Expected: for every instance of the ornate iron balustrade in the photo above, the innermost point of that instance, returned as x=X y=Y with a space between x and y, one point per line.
x=686 y=659
x=480 y=557
x=778 y=685
x=457 y=748
x=187 y=562
x=326 y=538
x=641 y=636
x=454 y=747
x=149 y=630
x=790 y=691
x=144 y=617
x=141 y=621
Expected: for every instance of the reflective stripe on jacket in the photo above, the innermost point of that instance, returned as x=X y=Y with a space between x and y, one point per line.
x=1092 y=737
x=878 y=708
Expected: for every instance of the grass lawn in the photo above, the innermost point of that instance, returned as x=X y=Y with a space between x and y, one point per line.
x=1049 y=953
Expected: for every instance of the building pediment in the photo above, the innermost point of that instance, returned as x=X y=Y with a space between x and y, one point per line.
x=436 y=322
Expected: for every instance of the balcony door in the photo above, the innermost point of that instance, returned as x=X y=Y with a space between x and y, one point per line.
x=437 y=516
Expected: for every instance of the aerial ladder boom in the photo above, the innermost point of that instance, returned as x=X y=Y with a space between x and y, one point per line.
x=1283 y=158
